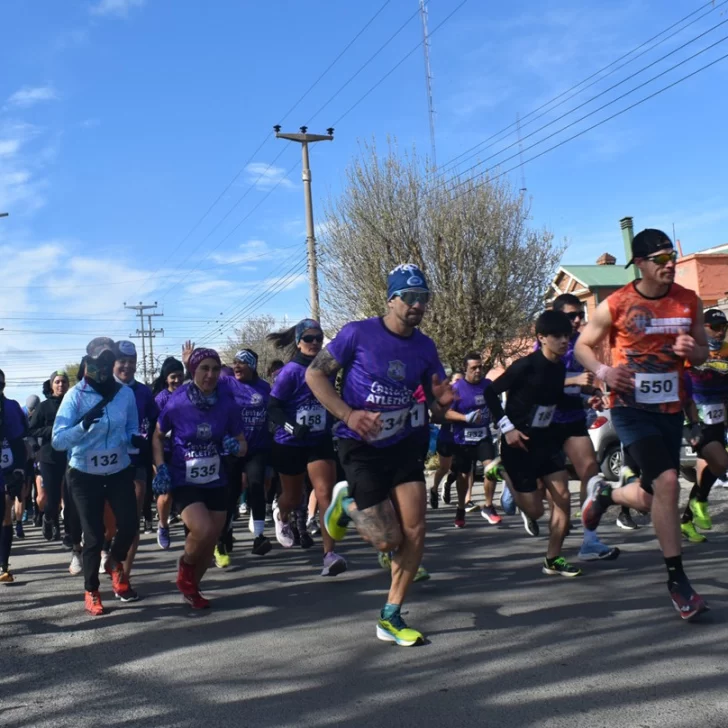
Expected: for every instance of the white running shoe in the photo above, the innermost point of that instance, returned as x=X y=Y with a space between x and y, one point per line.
x=284 y=535
x=251 y=525
x=104 y=559
x=76 y=567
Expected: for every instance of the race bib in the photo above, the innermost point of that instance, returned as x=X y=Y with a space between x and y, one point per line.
x=6 y=458
x=203 y=470
x=392 y=423
x=656 y=388
x=313 y=417
x=103 y=462
x=474 y=434
x=543 y=415
x=712 y=414
x=417 y=415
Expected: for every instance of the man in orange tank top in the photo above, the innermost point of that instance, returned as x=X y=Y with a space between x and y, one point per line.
x=653 y=325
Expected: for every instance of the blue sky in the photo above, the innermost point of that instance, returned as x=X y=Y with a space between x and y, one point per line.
x=122 y=121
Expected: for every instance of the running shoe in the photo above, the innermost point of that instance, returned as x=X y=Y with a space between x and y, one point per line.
x=56 y=533
x=148 y=526
x=385 y=560
x=47 y=528
x=196 y=600
x=508 y=502
x=243 y=509
x=530 y=525
x=626 y=522
x=5 y=576
x=163 y=537
x=269 y=515
x=559 y=567
x=460 y=518
x=102 y=565
x=593 y=510
x=447 y=493
x=686 y=600
x=396 y=630
x=333 y=564
x=294 y=531
x=19 y=532
x=251 y=525
x=491 y=515
x=313 y=526
x=38 y=519
x=120 y=582
x=26 y=516
x=701 y=517
x=305 y=540
x=470 y=507
x=422 y=574
x=222 y=557
x=495 y=470
x=76 y=567
x=187 y=584
x=434 y=499
x=67 y=541
x=336 y=519
x=598 y=551
x=689 y=532
x=261 y=545
x=284 y=534
x=93 y=604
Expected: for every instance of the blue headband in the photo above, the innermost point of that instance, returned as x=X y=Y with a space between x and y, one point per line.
x=304 y=325
x=246 y=356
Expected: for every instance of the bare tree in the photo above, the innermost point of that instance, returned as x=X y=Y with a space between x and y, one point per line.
x=488 y=268
x=253 y=336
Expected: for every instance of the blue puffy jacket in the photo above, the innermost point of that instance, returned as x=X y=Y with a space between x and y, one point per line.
x=104 y=448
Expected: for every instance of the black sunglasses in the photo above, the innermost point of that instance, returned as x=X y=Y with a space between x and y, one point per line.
x=310 y=338
x=573 y=315
x=718 y=327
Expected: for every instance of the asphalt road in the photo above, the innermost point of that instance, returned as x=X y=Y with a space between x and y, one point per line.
x=283 y=647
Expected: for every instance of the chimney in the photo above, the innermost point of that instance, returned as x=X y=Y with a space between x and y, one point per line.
x=627 y=236
x=606 y=259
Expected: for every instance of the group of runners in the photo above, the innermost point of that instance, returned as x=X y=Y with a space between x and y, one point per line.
x=345 y=428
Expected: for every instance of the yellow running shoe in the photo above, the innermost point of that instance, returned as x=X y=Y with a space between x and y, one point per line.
x=689 y=532
x=222 y=557
x=422 y=574
x=385 y=560
x=395 y=630
x=6 y=577
x=336 y=518
x=701 y=517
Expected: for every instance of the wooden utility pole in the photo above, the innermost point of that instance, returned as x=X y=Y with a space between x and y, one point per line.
x=144 y=334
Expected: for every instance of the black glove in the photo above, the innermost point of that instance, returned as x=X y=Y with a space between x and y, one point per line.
x=141 y=444
x=693 y=433
x=14 y=483
x=93 y=416
x=297 y=430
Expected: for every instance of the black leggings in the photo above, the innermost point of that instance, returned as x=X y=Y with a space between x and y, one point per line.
x=90 y=492
x=53 y=475
x=253 y=465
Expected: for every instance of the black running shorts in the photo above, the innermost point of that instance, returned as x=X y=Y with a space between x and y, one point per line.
x=525 y=467
x=215 y=498
x=294 y=460
x=465 y=457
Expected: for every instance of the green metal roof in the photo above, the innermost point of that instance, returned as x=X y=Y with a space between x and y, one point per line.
x=594 y=276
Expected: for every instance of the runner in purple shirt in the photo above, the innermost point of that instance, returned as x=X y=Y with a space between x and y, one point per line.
x=444 y=458
x=384 y=360
x=205 y=425
x=250 y=394
x=125 y=368
x=169 y=380
x=302 y=442
x=473 y=442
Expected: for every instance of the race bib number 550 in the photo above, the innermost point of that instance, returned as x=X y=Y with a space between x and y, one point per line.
x=656 y=388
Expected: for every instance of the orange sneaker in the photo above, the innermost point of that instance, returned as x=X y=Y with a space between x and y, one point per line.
x=93 y=604
x=120 y=582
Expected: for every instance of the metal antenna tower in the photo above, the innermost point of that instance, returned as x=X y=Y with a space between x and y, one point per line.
x=520 y=154
x=428 y=79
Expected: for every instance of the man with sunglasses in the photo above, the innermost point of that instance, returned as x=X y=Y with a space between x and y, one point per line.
x=384 y=360
x=653 y=325
x=571 y=422
x=710 y=395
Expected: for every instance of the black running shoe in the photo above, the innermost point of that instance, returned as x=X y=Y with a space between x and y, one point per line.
x=47 y=529
x=19 y=532
x=447 y=493
x=626 y=522
x=434 y=498
x=261 y=545
x=56 y=533
x=68 y=541
x=470 y=507
x=530 y=525
x=305 y=540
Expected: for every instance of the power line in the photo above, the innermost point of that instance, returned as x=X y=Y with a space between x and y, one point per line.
x=595 y=74
x=602 y=93
x=588 y=129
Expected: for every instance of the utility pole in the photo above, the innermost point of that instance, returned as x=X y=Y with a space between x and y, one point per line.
x=152 y=334
x=304 y=139
x=145 y=334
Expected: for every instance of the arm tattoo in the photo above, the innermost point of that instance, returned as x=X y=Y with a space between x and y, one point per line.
x=325 y=363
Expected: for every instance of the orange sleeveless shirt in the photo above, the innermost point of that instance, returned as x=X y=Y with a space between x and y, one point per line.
x=641 y=339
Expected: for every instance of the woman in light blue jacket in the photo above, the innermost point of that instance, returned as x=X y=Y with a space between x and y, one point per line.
x=97 y=423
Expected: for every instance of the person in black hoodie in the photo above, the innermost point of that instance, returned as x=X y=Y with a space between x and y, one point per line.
x=52 y=463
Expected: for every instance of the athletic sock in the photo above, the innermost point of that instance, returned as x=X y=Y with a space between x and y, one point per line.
x=390 y=610
x=6 y=541
x=707 y=480
x=590 y=537
x=674 y=569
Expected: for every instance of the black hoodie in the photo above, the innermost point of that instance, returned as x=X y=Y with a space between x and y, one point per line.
x=41 y=427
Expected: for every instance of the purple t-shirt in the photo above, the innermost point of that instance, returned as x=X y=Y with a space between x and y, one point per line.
x=300 y=406
x=382 y=370
x=251 y=398
x=469 y=398
x=573 y=369
x=148 y=414
x=162 y=398
x=15 y=426
x=197 y=438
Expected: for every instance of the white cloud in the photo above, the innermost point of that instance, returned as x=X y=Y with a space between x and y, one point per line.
x=31 y=95
x=9 y=147
x=207 y=286
x=265 y=176
x=252 y=250
x=20 y=187
x=120 y=8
